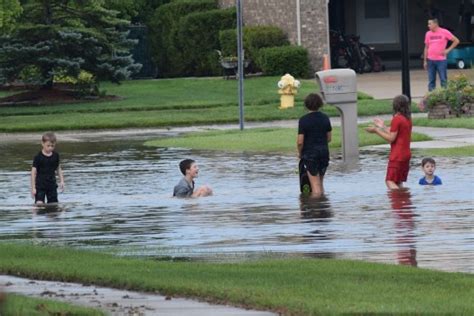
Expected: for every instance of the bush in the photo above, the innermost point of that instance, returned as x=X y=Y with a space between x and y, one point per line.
x=276 y=61
x=198 y=36
x=163 y=28
x=255 y=38
x=458 y=93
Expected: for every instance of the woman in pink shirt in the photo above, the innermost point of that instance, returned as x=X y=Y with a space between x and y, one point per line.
x=436 y=40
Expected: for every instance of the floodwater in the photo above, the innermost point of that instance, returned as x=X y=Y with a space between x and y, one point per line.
x=118 y=199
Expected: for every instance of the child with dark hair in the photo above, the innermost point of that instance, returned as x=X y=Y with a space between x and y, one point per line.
x=43 y=172
x=314 y=134
x=185 y=187
x=428 y=165
x=399 y=137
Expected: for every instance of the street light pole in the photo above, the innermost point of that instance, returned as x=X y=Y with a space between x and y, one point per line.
x=402 y=5
x=240 y=63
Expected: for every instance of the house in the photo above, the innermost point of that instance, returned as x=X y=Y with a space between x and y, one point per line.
x=307 y=23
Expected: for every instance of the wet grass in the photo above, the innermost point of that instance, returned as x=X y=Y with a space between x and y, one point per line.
x=289 y=286
x=458 y=122
x=172 y=102
x=21 y=305
x=465 y=151
x=262 y=139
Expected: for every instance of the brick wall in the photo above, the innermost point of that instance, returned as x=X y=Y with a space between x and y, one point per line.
x=282 y=13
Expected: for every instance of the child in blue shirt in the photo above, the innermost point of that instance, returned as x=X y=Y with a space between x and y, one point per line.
x=428 y=165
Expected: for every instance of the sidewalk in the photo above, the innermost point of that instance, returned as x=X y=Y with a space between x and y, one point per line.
x=119 y=302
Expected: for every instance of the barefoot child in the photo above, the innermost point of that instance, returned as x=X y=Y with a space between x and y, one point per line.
x=428 y=165
x=399 y=137
x=185 y=187
x=43 y=172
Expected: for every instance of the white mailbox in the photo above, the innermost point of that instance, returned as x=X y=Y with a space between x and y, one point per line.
x=339 y=88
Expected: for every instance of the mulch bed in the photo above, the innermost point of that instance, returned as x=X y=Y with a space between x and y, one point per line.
x=50 y=97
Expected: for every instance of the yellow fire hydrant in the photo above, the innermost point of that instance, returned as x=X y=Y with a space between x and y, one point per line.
x=288 y=89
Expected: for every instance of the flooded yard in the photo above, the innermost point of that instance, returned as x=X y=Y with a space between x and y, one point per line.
x=119 y=198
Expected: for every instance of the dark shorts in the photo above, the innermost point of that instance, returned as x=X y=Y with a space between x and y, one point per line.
x=397 y=171
x=51 y=195
x=316 y=166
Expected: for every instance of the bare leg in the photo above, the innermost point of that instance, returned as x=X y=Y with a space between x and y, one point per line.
x=316 y=185
x=39 y=202
x=392 y=185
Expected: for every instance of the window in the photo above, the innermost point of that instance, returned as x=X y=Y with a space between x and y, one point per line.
x=377 y=9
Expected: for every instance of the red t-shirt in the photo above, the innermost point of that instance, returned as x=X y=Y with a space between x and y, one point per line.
x=400 y=148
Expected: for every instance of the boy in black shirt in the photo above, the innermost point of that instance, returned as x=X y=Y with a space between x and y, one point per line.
x=43 y=172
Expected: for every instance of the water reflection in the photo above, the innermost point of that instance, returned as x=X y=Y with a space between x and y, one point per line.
x=119 y=198
x=403 y=211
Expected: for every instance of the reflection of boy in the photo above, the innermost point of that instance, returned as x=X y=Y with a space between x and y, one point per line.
x=185 y=187
x=428 y=165
x=43 y=172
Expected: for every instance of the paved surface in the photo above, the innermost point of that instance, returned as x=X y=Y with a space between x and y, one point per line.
x=118 y=302
x=386 y=85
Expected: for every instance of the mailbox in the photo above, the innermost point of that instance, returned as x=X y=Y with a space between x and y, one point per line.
x=339 y=88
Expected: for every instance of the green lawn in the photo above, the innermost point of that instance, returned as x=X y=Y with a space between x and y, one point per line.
x=172 y=102
x=21 y=305
x=459 y=122
x=289 y=286
x=266 y=139
x=465 y=151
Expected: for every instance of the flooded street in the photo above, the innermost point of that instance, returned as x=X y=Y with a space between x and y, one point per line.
x=118 y=199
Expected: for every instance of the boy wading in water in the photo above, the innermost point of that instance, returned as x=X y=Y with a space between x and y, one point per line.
x=43 y=173
x=399 y=137
x=185 y=187
x=314 y=134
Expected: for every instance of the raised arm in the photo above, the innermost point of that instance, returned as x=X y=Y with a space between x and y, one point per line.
x=455 y=42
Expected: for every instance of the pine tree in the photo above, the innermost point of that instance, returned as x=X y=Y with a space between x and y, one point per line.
x=63 y=37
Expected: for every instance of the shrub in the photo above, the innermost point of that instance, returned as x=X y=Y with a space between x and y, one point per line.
x=276 y=61
x=459 y=92
x=164 y=26
x=198 y=36
x=255 y=38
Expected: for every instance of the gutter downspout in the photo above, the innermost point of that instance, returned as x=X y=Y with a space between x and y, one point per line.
x=298 y=22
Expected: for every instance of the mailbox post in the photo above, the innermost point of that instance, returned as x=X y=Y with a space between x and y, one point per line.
x=339 y=88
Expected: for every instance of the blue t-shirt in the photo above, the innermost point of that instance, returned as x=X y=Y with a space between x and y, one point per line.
x=436 y=181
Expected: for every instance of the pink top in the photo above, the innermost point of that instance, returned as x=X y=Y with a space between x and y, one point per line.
x=436 y=42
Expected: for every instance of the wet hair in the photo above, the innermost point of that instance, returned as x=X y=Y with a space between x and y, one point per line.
x=428 y=160
x=434 y=20
x=313 y=102
x=185 y=165
x=48 y=137
x=401 y=104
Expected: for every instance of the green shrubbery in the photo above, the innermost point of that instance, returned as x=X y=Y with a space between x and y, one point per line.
x=285 y=59
x=198 y=36
x=164 y=26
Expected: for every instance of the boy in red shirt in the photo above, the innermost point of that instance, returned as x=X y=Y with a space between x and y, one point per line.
x=399 y=137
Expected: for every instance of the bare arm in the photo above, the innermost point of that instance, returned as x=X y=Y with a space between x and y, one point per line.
x=329 y=136
x=61 y=178
x=299 y=144
x=455 y=42
x=33 y=181
x=425 y=57
x=383 y=132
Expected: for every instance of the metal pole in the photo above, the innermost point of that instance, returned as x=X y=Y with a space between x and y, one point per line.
x=402 y=4
x=240 y=65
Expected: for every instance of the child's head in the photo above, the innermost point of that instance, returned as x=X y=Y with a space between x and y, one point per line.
x=428 y=165
x=313 y=102
x=188 y=166
x=48 y=141
x=401 y=104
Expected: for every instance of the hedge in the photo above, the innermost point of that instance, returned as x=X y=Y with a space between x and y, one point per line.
x=163 y=28
x=198 y=37
x=254 y=37
x=277 y=61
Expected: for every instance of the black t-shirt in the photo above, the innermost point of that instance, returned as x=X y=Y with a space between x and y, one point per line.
x=46 y=169
x=314 y=126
